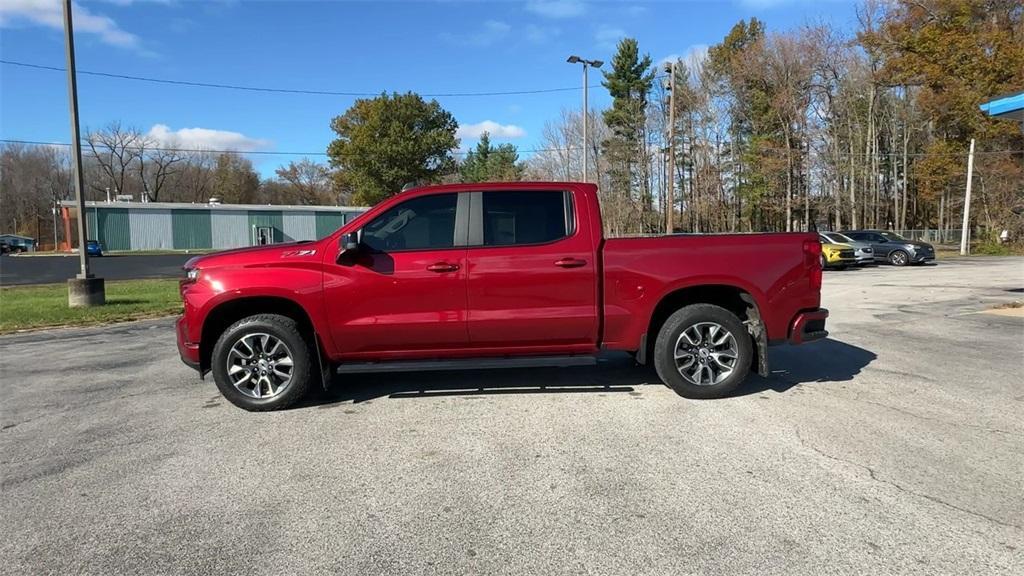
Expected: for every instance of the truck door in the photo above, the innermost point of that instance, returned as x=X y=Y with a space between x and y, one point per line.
x=532 y=272
x=404 y=290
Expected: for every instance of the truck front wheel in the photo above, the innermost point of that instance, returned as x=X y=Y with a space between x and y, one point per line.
x=262 y=362
x=703 y=351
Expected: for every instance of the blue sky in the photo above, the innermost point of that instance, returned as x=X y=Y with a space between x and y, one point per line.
x=441 y=46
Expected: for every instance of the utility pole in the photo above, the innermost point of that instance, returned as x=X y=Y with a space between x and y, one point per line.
x=670 y=201
x=84 y=289
x=586 y=105
x=965 y=243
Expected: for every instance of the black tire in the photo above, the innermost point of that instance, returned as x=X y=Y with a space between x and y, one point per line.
x=824 y=263
x=899 y=258
x=671 y=332
x=284 y=329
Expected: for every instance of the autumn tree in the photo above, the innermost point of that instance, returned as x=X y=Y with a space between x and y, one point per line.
x=234 y=181
x=308 y=182
x=389 y=141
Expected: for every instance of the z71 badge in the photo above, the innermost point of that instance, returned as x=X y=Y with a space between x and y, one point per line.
x=294 y=253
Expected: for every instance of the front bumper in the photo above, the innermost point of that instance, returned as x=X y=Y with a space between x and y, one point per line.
x=189 y=351
x=808 y=326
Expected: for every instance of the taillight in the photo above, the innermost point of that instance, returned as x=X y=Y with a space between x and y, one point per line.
x=812 y=253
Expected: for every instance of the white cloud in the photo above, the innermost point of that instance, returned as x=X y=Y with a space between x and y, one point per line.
x=557 y=8
x=541 y=34
x=491 y=127
x=693 y=58
x=608 y=37
x=490 y=32
x=50 y=14
x=205 y=139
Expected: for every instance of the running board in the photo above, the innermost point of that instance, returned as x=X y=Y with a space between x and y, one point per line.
x=468 y=364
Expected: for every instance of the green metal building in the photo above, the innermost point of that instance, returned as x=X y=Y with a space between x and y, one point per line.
x=177 y=226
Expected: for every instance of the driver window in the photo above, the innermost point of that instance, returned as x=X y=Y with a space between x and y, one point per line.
x=424 y=223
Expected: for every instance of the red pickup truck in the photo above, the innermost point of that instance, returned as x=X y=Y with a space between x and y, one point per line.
x=513 y=273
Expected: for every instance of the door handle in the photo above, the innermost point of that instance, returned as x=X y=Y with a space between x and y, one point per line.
x=443 y=267
x=570 y=263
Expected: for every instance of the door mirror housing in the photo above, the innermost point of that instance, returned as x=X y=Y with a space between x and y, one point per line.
x=349 y=242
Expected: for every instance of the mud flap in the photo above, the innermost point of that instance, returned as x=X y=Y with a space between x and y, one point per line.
x=325 y=366
x=755 y=326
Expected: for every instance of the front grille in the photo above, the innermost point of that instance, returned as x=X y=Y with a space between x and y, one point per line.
x=846 y=253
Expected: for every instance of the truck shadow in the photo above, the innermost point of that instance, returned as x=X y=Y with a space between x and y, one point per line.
x=823 y=362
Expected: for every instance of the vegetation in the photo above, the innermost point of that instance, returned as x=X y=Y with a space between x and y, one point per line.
x=488 y=163
x=27 y=307
x=387 y=142
x=777 y=131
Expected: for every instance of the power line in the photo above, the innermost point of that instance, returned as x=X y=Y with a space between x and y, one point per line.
x=287 y=90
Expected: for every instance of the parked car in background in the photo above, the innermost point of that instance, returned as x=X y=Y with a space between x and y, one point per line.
x=862 y=251
x=892 y=248
x=93 y=248
x=837 y=256
x=496 y=271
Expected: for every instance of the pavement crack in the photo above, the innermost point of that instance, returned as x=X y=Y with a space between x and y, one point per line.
x=933 y=419
x=873 y=474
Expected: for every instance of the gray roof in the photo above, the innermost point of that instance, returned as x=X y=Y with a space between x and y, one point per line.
x=204 y=206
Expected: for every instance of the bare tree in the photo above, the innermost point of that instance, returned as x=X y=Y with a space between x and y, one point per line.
x=117 y=150
x=310 y=181
x=158 y=161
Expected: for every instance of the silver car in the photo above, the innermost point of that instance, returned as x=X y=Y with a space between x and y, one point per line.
x=862 y=250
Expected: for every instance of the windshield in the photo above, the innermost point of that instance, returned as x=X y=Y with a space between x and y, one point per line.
x=837 y=237
x=892 y=236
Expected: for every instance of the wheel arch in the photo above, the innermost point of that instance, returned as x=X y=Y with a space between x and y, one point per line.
x=230 y=311
x=733 y=298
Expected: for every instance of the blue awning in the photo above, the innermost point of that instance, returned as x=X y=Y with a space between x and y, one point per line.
x=1010 y=106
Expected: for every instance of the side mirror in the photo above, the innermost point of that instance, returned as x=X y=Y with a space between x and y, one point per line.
x=349 y=242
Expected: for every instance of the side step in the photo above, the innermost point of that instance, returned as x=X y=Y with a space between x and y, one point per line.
x=467 y=364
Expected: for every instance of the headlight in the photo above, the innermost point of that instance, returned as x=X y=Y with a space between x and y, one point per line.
x=192 y=274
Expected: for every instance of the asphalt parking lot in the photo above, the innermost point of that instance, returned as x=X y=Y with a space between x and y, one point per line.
x=15 y=270
x=894 y=447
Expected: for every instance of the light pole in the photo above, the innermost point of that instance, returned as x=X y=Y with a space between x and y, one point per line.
x=586 y=109
x=84 y=289
x=670 y=191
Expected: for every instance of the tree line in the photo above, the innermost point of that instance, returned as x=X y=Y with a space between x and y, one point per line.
x=784 y=130
x=770 y=131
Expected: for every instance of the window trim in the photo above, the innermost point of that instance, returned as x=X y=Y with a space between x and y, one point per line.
x=458 y=235
x=476 y=219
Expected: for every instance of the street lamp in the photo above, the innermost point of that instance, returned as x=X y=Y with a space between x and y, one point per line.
x=586 y=109
x=84 y=289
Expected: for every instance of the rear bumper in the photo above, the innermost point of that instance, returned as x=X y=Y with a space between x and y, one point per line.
x=189 y=351
x=808 y=326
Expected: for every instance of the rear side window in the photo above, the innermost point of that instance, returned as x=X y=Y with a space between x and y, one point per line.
x=424 y=223
x=858 y=236
x=515 y=218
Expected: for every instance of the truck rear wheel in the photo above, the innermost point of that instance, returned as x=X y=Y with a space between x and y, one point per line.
x=703 y=351
x=262 y=362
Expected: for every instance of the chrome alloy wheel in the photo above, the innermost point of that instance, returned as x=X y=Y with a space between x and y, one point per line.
x=706 y=353
x=260 y=365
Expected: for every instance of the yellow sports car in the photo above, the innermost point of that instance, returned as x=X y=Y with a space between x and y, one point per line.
x=837 y=255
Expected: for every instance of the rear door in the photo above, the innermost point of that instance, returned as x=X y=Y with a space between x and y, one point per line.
x=532 y=273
